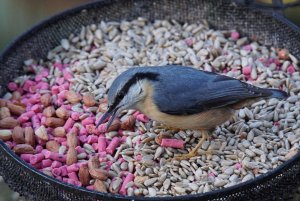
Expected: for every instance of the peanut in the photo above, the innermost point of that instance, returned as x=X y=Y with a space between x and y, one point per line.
x=115 y=125
x=127 y=122
x=71 y=156
x=46 y=99
x=99 y=174
x=84 y=175
x=24 y=149
x=59 y=132
x=18 y=135
x=52 y=146
x=41 y=133
x=4 y=112
x=5 y=135
x=16 y=95
x=72 y=139
x=29 y=136
x=89 y=99
x=62 y=113
x=49 y=111
x=3 y=103
x=94 y=169
x=73 y=97
x=8 y=122
x=16 y=109
x=100 y=186
x=54 y=122
x=140 y=179
x=103 y=106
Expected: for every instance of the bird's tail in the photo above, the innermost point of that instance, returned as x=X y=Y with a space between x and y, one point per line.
x=264 y=93
x=279 y=94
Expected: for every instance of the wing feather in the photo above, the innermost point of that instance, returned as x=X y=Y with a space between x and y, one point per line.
x=188 y=91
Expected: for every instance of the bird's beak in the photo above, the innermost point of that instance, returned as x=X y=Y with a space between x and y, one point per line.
x=112 y=115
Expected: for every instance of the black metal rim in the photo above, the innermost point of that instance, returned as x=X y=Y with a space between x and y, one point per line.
x=209 y=195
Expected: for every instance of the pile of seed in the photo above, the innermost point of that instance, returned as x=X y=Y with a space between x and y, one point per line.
x=258 y=139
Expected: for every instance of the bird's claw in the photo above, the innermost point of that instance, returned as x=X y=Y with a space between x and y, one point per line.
x=163 y=127
x=192 y=154
x=186 y=156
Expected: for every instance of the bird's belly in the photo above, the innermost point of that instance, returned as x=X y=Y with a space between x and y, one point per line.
x=202 y=121
x=205 y=120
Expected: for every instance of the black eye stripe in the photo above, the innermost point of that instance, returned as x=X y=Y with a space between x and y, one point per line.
x=131 y=81
x=120 y=95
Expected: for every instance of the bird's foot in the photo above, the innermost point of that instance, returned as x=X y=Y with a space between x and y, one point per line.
x=189 y=155
x=164 y=127
x=194 y=153
x=207 y=153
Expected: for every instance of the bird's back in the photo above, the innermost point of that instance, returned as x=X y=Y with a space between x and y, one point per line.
x=183 y=90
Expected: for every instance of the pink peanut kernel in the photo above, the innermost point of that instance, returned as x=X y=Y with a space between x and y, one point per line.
x=101 y=144
x=56 y=164
x=69 y=123
x=113 y=145
x=142 y=118
x=46 y=163
x=26 y=157
x=247 y=70
x=12 y=86
x=235 y=35
x=128 y=178
x=175 y=143
x=36 y=158
x=290 y=69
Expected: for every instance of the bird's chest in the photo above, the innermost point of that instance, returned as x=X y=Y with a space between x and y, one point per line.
x=204 y=120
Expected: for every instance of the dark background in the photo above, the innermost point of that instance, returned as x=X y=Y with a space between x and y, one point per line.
x=17 y=16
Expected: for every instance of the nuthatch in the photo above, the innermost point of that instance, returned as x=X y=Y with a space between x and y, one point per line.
x=182 y=97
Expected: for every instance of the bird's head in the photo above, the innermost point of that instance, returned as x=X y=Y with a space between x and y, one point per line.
x=126 y=91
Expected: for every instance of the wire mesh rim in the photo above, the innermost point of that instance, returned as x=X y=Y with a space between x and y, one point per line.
x=229 y=190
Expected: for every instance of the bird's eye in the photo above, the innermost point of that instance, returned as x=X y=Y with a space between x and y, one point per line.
x=120 y=96
x=141 y=91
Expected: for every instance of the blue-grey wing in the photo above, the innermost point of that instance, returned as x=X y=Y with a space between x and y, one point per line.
x=190 y=91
